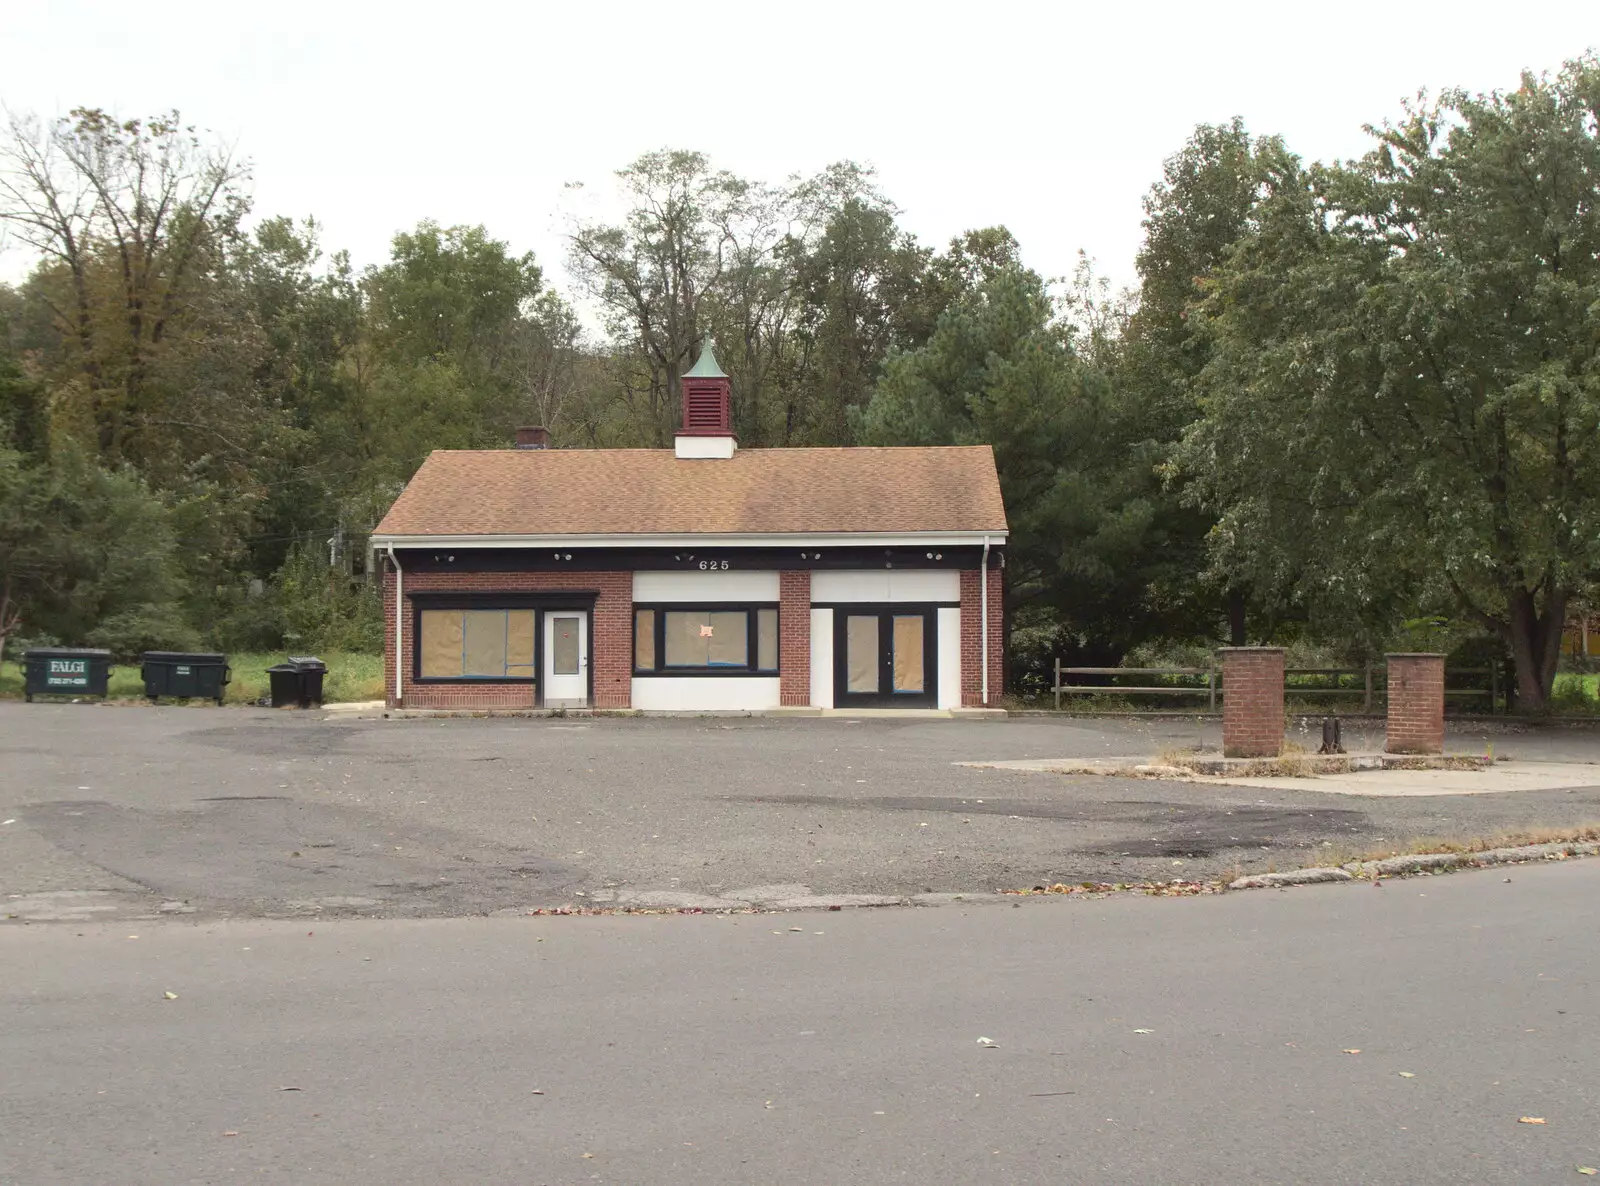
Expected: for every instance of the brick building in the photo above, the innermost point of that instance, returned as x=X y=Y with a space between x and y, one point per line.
x=703 y=577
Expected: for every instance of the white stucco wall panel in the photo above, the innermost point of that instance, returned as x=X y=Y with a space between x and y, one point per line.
x=821 y=657
x=885 y=585
x=949 y=658
x=705 y=587
x=704 y=693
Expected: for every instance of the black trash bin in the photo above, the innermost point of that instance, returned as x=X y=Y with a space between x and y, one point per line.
x=297 y=682
x=312 y=670
x=65 y=671
x=185 y=676
x=283 y=681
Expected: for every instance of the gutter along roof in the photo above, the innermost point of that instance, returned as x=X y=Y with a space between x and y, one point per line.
x=521 y=494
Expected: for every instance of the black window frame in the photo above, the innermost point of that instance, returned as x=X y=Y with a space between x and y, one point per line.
x=542 y=602
x=750 y=609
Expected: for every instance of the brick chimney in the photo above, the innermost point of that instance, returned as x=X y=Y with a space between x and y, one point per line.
x=707 y=430
x=533 y=437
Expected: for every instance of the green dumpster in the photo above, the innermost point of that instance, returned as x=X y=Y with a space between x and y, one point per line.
x=65 y=671
x=185 y=676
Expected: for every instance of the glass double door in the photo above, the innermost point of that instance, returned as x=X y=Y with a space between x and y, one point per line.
x=885 y=656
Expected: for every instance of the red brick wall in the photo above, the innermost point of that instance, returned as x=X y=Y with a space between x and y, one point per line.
x=1252 y=702
x=794 y=639
x=971 y=649
x=610 y=647
x=1416 y=704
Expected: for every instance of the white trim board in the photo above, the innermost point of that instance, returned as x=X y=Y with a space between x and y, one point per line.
x=905 y=539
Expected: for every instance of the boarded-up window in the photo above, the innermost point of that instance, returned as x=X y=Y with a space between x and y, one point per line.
x=644 y=639
x=767 y=639
x=861 y=653
x=439 y=647
x=483 y=650
x=908 y=639
x=519 y=643
x=707 y=638
x=476 y=644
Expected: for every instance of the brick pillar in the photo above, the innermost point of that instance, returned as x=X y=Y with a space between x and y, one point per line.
x=1252 y=702
x=1416 y=704
x=971 y=636
x=794 y=639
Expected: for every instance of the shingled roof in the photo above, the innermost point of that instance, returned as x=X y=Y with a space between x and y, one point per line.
x=586 y=492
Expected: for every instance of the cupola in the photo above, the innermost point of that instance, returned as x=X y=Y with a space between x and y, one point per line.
x=707 y=430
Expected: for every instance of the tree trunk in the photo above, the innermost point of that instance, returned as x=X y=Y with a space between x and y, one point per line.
x=1535 y=641
x=1236 y=618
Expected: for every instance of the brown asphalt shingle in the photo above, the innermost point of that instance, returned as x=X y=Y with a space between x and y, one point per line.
x=650 y=491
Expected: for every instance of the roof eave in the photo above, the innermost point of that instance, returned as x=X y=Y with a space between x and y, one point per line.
x=996 y=538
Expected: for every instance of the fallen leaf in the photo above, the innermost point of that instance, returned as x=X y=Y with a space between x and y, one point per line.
x=536 y=1091
x=290 y=1089
x=1407 y=1075
x=587 y=1155
x=987 y=1042
x=1356 y=1050
x=1588 y=1171
x=230 y=1133
x=1530 y=1120
x=171 y=996
x=1144 y=1031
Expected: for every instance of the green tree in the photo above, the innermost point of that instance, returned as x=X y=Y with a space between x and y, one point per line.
x=999 y=369
x=1402 y=406
x=86 y=555
x=130 y=217
x=1202 y=206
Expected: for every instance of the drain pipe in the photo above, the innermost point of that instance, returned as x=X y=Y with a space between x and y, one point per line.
x=399 y=626
x=983 y=613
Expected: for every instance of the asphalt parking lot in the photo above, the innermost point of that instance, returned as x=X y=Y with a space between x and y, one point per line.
x=116 y=812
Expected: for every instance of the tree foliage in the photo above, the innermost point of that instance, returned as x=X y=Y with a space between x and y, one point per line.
x=1402 y=408
x=1343 y=398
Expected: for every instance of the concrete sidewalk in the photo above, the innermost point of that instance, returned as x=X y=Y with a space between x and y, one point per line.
x=1500 y=778
x=1489 y=779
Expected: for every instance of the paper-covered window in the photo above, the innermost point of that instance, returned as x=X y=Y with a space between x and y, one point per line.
x=707 y=638
x=475 y=644
x=674 y=639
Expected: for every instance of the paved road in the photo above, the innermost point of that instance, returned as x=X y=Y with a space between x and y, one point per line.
x=734 y=1049
x=238 y=812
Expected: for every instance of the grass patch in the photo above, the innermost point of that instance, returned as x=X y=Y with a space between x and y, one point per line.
x=351 y=676
x=1424 y=845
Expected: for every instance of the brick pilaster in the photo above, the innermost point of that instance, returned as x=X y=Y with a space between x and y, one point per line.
x=1252 y=702
x=794 y=638
x=971 y=648
x=1416 y=704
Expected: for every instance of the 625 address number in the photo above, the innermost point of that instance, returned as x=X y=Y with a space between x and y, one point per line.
x=713 y=565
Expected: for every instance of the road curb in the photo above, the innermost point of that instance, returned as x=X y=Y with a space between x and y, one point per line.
x=1421 y=863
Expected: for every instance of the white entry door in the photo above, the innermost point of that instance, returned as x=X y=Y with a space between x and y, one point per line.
x=566 y=658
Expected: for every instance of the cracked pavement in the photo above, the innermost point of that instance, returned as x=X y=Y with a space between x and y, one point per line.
x=140 y=812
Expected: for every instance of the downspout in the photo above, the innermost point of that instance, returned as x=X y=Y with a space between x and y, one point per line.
x=983 y=613
x=399 y=626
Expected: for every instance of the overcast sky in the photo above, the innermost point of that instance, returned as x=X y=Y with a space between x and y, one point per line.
x=1052 y=118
